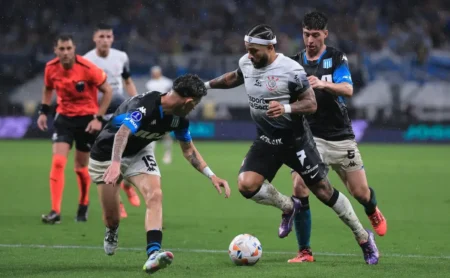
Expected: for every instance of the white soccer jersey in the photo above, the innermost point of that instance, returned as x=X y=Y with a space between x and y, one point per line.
x=116 y=65
x=283 y=81
x=162 y=84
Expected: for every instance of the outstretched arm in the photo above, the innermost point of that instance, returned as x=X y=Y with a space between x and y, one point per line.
x=192 y=155
x=112 y=174
x=228 y=80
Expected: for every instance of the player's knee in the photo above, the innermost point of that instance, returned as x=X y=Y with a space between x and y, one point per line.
x=300 y=188
x=323 y=190
x=361 y=193
x=154 y=197
x=248 y=184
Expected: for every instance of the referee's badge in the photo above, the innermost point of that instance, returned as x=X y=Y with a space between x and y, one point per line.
x=328 y=63
x=79 y=86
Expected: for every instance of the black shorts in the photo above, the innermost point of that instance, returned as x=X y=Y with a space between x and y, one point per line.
x=69 y=129
x=267 y=155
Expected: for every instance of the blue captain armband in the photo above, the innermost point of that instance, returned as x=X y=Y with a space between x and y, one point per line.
x=133 y=121
x=183 y=135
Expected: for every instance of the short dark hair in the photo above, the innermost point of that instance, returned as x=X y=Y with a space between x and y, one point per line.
x=63 y=37
x=102 y=26
x=189 y=85
x=315 y=21
x=261 y=31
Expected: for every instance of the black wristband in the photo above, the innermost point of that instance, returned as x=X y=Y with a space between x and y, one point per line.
x=99 y=118
x=44 y=109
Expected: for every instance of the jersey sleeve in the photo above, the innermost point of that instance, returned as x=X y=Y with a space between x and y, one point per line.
x=342 y=73
x=182 y=133
x=47 y=80
x=96 y=76
x=126 y=73
x=297 y=80
x=135 y=115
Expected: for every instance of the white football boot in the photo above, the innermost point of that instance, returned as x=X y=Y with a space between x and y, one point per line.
x=111 y=241
x=158 y=260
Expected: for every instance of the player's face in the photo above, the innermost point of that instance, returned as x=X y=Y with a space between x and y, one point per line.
x=65 y=51
x=314 y=40
x=103 y=39
x=258 y=54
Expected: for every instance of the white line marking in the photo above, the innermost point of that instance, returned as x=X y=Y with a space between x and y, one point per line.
x=417 y=256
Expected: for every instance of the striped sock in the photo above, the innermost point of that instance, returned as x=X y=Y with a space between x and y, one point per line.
x=154 y=239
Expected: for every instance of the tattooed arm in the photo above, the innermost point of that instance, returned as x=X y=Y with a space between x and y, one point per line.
x=120 y=142
x=192 y=155
x=112 y=174
x=306 y=103
x=227 y=81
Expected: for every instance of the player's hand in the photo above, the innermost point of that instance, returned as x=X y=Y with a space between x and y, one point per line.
x=94 y=126
x=218 y=183
x=42 y=122
x=315 y=82
x=276 y=109
x=112 y=174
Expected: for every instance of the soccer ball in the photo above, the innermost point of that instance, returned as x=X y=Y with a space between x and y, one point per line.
x=245 y=249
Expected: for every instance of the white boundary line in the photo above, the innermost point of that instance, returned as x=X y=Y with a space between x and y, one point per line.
x=330 y=254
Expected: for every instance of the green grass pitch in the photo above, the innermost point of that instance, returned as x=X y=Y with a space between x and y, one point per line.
x=411 y=182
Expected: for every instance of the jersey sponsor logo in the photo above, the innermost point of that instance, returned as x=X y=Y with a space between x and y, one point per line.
x=327 y=63
x=310 y=169
x=275 y=141
x=257 y=103
x=136 y=116
x=272 y=83
x=148 y=135
x=153 y=122
x=258 y=83
x=143 y=110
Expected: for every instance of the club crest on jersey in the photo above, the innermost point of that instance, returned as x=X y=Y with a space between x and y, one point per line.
x=328 y=63
x=271 y=83
x=136 y=116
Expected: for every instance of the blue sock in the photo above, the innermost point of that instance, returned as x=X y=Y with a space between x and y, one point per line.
x=302 y=224
x=154 y=239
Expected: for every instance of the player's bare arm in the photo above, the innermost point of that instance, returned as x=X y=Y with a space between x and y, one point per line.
x=306 y=104
x=106 y=89
x=130 y=87
x=120 y=142
x=45 y=108
x=339 y=89
x=96 y=124
x=192 y=155
x=227 y=81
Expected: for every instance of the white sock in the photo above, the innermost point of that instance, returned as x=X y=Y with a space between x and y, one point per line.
x=269 y=195
x=344 y=210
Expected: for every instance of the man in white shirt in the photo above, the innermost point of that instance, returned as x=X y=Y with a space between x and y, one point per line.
x=116 y=65
x=162 y=84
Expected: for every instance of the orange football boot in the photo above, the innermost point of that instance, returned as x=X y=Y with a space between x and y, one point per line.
x=303 y=256
x=133 y=198
x=378 y=221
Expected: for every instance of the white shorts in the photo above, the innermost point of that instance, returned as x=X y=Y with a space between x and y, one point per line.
x=340 y=155
x=142 y=163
